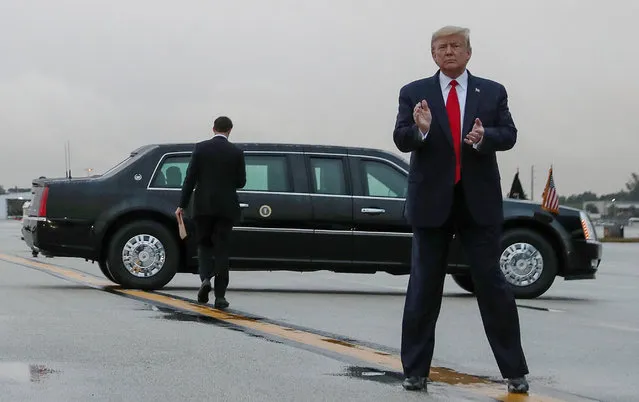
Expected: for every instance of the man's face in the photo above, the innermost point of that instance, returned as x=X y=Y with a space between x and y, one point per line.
x=451 y=54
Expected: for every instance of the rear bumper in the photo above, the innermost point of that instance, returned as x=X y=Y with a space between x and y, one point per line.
x=583 y=260
x=53 y=240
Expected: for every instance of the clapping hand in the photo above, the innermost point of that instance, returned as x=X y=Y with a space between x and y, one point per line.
x=476 y=134
x=422 y=116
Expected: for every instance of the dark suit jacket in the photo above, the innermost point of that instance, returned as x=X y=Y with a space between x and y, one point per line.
x=432 y=162
x=216 y=171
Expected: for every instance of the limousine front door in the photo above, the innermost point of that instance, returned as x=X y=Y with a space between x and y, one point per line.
x=381 y=237
x=332 y=202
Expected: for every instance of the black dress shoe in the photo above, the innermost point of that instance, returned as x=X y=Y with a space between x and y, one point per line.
x=414 y=383
x=518 y=385
x=220 y=302
x=203 y=293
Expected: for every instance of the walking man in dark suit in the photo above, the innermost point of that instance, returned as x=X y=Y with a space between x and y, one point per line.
x=453 y=123
x=216 y=171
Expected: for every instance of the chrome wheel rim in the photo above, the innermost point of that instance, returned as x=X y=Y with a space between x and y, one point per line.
x=143 y=255
x=522 y=264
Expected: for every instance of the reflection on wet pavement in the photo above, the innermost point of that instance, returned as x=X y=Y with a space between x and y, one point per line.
x=372 y=374
x=23 y=372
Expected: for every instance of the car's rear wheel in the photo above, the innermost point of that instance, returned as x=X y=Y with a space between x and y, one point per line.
x=105 y=270
x=527 y=261
x=143 y=255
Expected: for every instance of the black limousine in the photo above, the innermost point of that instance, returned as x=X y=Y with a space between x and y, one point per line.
x=305 y=208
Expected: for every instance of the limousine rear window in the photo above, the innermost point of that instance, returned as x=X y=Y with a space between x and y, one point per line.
x=125 y=162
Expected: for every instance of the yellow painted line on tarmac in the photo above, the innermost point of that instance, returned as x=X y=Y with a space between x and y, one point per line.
x=67 y=273
x=473 y=384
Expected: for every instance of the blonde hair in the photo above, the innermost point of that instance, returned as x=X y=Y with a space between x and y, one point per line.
x=451 y=30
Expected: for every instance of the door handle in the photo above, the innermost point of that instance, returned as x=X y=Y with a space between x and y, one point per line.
x=373 y=211
x=242 y=205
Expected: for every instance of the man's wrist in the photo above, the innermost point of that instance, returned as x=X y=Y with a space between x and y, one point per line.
x=423 y=133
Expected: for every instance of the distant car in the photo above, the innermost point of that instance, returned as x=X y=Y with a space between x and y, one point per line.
x=25 y=208
x=305 y=208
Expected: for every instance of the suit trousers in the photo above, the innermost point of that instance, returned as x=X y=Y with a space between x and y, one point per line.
x=497 y=307
x=213 y=235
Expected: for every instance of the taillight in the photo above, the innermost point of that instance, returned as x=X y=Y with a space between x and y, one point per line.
x=42 y=212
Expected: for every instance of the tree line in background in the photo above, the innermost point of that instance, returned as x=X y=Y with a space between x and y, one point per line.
x=14 y=190
x=630 y=194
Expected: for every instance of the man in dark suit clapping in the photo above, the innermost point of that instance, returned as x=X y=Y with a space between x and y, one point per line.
x=216 y=171
x=454 y=123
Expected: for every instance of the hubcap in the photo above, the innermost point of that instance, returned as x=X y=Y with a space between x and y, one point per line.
x=143 y=255
x=522 y=264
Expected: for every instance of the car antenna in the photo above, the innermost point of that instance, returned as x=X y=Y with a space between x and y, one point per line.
x=68 y=151
x=66 y=162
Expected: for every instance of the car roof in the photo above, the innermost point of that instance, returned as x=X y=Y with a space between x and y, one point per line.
x=285 y=147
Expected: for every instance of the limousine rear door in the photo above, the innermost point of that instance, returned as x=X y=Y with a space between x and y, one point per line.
x=381 y=236
x=276 y=213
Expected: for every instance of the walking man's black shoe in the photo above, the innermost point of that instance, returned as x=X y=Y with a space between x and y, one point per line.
x=220 y=302
x=518 y=385
x=414 y=383
x=203 y=293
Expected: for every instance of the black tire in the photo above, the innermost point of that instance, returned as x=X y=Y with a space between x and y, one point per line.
x=465 y=282
x=544 y=280
x=167 y=269
x=539 y=283
x=104 y=267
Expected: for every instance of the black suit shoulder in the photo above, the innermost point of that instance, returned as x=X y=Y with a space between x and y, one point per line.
x=495 y=87
x=487 y=81
x=416 y=84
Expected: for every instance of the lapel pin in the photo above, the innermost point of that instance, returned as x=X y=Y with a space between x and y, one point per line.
x=477 y=90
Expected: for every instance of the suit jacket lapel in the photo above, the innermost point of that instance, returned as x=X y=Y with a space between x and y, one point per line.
x=438 y=106
x=472 y=101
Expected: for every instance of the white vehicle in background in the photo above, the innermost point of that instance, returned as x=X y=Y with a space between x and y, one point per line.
x=25 y=209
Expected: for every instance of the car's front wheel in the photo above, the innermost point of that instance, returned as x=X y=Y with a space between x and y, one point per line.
x=527 y=261
x=143 y=255
x=464 y=281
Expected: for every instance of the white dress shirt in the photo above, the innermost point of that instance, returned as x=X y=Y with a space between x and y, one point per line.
x=462 y=89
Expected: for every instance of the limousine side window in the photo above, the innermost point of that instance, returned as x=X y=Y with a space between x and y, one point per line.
x=263 y=173
x=172 y=172
x=382 y=180
x=328 y=176
x=267 y=173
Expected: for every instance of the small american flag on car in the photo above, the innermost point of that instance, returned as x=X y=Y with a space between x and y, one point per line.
x=550 y=199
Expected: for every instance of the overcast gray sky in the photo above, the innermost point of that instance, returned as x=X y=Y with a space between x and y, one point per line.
x=113 y=75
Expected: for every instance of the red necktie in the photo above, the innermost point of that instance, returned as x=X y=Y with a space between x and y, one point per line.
x=454 y=120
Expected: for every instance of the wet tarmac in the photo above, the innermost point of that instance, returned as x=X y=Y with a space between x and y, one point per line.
x=285 y=335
